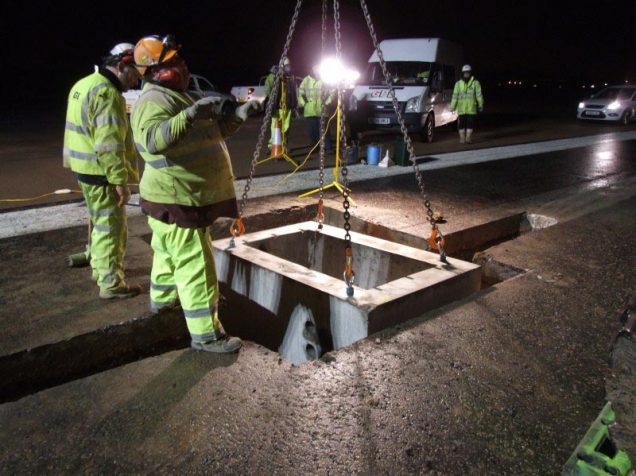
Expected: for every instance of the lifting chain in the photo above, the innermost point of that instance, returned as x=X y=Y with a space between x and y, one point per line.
x=348 y=275
x=320 y=216
x=237 y=227
x=436 y=241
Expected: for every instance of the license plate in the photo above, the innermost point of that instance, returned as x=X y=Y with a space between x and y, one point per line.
x=592 y=113
x=380 y=120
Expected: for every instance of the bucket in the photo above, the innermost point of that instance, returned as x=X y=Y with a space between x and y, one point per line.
x=374 y=153
x=401 y=153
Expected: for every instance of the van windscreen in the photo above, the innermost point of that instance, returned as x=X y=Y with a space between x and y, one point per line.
x=402 y=73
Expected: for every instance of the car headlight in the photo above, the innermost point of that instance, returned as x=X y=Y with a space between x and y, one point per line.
x=581 y=105
x=615 y=105
x=413 y=104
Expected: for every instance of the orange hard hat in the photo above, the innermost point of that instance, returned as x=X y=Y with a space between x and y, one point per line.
x=153 y=50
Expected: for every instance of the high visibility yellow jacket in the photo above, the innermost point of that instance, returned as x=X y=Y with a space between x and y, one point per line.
x=97 y=136
x=291 y=100
x=186 y=163
x=467 y=97
x=309 y=96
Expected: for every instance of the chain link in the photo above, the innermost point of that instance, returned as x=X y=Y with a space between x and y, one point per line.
x=349 y=274
x=343 y=132
x=398 y=112
x=323 y=119
x=269 y=109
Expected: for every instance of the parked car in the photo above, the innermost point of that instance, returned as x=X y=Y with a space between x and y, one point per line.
x=199 y=87
x=247 y=93
x=615 y=103
x=423 y=73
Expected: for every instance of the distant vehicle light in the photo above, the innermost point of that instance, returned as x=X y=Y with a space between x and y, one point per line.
x=250 y=91
x=615 y=105
x=581 y=105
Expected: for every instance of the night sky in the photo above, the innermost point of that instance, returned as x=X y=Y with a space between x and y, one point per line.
x=51 y=44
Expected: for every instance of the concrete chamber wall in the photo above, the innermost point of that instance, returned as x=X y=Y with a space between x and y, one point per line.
x=284 y=287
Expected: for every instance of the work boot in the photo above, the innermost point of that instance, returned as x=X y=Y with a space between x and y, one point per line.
x=122 y=292
x=462 y=136
x=469 y=136
x=224 y=345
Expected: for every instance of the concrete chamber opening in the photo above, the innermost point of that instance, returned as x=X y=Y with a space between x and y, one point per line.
x=324 y=253
x=284 y=287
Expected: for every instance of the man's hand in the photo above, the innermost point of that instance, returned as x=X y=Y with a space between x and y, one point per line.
x=124 y=194
x=206 y=108
x=247 y=109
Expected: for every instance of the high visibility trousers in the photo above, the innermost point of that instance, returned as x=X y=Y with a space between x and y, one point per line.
x=183 y=267
x=285 y=120
x=108 y=236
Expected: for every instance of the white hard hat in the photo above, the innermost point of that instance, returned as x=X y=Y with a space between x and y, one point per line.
x=466 y=68
x=121 y=48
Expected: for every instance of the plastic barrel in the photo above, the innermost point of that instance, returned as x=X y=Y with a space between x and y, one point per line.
x=374 y=153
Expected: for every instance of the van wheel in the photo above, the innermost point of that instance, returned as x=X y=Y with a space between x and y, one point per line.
x=428 y=129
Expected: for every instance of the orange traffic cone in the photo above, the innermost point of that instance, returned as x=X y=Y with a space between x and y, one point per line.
x=277 y=139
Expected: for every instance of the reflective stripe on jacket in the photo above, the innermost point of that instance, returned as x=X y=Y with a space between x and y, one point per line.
x=309 y=96
x=186 y=163
x=97 y=136
x=467 y=97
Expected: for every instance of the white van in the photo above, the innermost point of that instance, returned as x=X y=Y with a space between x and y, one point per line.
x=423 y=72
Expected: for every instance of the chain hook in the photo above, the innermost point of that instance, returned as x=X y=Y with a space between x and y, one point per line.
x=437 y=242
x=237 y=228
x=320 y=216
x=348 y=275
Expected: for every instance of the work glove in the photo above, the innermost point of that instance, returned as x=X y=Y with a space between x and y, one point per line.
x=124 y=194
x=206 y=108
x=246 y=110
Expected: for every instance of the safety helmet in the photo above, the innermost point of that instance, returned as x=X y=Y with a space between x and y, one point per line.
x=121 y=52
x=466 y=68
x=153 y=50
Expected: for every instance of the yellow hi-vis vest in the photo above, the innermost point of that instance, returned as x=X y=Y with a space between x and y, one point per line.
x=185 y=163
x=467 y=97
x=97 y=136
x=309 y=96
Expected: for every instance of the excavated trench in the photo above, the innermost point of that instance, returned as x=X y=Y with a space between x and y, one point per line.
x=382 y=257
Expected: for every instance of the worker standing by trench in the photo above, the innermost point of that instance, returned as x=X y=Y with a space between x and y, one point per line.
x=187 y=184
x=310 y=98
x=283 y=114
x=467 y=101
x=99 y=149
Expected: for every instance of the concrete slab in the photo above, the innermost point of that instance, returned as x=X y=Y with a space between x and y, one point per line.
x=277 y=271
x=506 y=382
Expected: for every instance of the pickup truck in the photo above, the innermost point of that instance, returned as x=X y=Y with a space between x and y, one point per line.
x=247 y=93
x=198 y=88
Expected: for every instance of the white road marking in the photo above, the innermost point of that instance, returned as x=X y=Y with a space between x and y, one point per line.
x=41 y=219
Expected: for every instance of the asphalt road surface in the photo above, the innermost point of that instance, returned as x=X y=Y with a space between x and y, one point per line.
x=31 y=144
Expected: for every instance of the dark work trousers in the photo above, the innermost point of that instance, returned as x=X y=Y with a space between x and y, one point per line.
x=466 y=121
x=313 y=131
